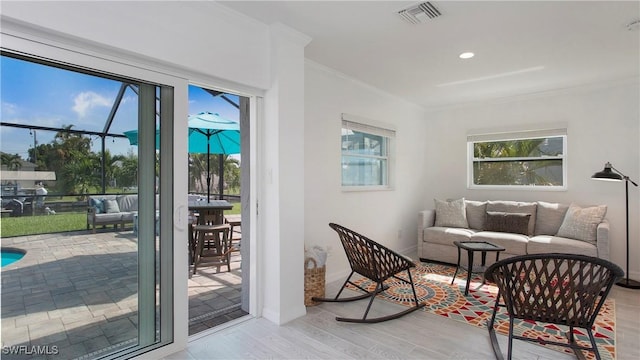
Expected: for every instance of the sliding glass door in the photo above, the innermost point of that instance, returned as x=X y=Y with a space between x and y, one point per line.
x=96 y=276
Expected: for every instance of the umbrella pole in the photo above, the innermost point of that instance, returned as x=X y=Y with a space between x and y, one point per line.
x=208 y=171
x=220 y=175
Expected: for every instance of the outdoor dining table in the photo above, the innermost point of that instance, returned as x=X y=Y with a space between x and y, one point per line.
x=214 y=207
x=204 y=207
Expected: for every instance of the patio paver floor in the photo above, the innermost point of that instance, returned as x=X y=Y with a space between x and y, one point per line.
x=78 y=291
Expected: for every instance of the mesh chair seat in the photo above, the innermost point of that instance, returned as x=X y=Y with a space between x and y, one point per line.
x=375 y=262
x=561 y=289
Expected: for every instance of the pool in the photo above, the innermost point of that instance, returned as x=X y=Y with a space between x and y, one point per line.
x=11 y=255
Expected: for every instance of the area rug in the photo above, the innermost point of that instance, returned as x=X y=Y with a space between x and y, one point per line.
x=433 y=286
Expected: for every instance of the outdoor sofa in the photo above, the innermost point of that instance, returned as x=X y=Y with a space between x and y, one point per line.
x=111 y=210
x=520 y=227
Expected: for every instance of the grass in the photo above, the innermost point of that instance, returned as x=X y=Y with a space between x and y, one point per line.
x=60 y=222
x=42 y=224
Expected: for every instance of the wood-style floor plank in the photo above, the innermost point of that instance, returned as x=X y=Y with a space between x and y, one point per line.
x=418 y=335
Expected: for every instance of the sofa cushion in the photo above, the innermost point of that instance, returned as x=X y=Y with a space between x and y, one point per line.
x=111 y=206
x=128 y=216
x=517 y=223
x=582 y=223
x=446 y=235
x=107 y=218
x=516 y=207
x=97 y=205
x=128 y=203
x=451 y=213
x=549 y=217
x=476 y=213
x=513 y=243
x=554 y=244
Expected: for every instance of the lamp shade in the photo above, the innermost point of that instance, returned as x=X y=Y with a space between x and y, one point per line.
x=607 y=174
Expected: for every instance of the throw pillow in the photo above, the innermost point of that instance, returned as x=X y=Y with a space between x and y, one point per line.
x=549 y=217
x=97 y=205
x=451 y=213
x=476 y=213
x=516 y=207
x=516 y=223
x=111 y=206
x=582 y=223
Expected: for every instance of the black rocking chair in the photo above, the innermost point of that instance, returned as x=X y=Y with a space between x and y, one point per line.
x=375 y=262
x=561 y=289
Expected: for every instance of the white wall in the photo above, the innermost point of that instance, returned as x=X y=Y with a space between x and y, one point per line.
x=603 y=125
x=198 y=35
x=380 y=215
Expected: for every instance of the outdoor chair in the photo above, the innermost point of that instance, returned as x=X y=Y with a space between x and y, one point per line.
x=213 y=246
x=560 y=289
x=375 y=262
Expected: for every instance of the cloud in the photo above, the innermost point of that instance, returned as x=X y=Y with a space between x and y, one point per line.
x=8 y=108
x=87 y=100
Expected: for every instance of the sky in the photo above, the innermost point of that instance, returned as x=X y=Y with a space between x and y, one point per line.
x=40 y=95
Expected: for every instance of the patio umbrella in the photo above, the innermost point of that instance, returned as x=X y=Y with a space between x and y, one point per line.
x=209 y=133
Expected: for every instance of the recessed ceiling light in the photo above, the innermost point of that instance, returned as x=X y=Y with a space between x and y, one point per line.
x=467 y=55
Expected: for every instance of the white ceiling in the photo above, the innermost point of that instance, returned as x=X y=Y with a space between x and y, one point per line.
x=521 y=47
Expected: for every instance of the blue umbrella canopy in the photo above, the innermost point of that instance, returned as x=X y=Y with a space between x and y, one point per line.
x=209 y=133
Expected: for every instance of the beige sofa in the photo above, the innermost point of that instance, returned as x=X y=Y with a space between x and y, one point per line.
x=111 y=210
x=520 y=227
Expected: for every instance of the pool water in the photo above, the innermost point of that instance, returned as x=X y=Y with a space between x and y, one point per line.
x=9 y=256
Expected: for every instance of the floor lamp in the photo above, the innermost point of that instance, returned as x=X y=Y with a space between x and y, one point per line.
x=612 y=174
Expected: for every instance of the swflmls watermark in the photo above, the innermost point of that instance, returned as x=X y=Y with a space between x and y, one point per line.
x=30 y=350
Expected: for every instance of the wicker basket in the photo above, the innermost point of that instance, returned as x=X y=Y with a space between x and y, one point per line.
x=313 y=282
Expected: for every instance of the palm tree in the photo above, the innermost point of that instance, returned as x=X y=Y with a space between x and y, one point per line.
x=232 y=172
x=501 y=172
x=12 y=162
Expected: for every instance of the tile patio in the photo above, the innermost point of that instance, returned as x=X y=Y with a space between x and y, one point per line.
x=78 y=291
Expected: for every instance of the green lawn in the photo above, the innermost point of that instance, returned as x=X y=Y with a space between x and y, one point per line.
x=60 y=222
x=42 y=224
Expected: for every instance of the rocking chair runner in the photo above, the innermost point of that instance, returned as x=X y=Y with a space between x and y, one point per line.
x=375 y=262
x=561 y=289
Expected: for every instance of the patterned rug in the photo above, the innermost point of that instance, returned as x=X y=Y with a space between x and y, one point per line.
x=433 y=286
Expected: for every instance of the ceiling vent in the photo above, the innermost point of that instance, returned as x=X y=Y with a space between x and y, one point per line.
x=419 y=13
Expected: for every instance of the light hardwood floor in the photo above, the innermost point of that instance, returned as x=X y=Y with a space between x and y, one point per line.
x=418 y=335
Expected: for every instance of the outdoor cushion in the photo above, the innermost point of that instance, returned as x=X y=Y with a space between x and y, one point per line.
x=554 y=244
x=451 y=213
x=128 y=203
x=111 y=217
x=111 y=206
x=446 y=235
x=97 y=205
x=549 y=217
x=516 y=207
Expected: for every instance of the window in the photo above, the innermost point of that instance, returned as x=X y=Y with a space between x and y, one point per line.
x=365 y=154
x=525 y=159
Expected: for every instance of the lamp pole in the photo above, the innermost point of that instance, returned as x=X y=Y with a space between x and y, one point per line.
x=612 y=174
x=626 y=282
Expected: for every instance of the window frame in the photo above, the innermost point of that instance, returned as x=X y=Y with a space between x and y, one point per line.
x=473 y=139
x=375 y=128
